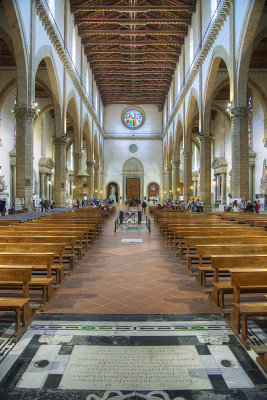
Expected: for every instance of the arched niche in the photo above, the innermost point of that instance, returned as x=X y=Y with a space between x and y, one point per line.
x=133 y=179
x=153 y=191
x=109 y=191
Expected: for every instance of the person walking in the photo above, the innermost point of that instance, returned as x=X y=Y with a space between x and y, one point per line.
x=144 y=205
x=256 y=207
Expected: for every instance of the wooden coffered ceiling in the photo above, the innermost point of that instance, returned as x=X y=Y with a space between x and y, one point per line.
x=133 y=45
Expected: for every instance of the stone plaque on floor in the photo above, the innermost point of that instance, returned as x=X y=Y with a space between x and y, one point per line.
x=135 y=368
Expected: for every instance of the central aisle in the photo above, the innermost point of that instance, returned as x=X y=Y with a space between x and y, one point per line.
x=130 y=278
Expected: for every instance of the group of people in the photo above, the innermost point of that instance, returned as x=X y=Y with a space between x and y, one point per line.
x=194 y=206
x=46 y=204
x=243 y=206
x=3 y=207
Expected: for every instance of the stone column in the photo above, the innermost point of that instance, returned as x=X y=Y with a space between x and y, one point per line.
x=224 y=198
x=205 y=171
x=24 y=153
x=215 y=180
x=187 y=175
x=175 y=179
x=60 y=172
x=165 y=172
x=251 y=183
x=97 y=182
x=77 y=156
x=240 y=152
x=42 y=192
x=170 y=182
x=90 y=171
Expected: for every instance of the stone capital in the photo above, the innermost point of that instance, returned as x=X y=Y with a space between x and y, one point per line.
x=90 y=164
x=25 y=113
x=239 y=112
x=206 y=139
x=77 y=155
x=187 y=153
x=175 y=163
x=59 y=141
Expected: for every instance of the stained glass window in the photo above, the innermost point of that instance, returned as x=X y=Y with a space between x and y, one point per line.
x=133 y=118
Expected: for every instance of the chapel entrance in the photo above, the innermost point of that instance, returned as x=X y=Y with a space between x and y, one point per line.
x=132 y=188
x=133 y=180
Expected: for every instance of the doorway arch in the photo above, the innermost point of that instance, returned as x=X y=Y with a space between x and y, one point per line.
x=133 y=179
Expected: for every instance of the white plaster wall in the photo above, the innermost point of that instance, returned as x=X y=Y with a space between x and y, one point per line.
x=113 y=124
x=258 y=136
x=24 y=9
x=116 y=153
x=7 y=136
x=241 y=11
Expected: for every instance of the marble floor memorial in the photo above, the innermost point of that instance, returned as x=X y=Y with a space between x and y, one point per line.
x=108 y=357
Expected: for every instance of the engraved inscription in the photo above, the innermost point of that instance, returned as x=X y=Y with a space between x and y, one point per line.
x=135 y=368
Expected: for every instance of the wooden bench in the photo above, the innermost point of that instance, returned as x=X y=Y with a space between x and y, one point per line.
x=247 y=309
x=56 y=248
x=45 y=260
x=227 y=262
x=80 y=241
x=68 y=241
x=205 y=252
x=17 y=304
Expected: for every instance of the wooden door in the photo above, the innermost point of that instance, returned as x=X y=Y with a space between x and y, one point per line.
x=132 y=188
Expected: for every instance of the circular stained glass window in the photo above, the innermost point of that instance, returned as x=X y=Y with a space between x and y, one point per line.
x=133 y=117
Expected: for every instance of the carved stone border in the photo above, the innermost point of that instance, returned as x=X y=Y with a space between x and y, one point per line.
x=139 y=109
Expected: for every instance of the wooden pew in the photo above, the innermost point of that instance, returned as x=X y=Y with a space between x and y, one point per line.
x=7 y=222
x=17 y=304
x=58 y=249
x=227 y=262
x=244 y=310
x=35 y=260
x=68 y=241
x=205 y=251
x=80 y=240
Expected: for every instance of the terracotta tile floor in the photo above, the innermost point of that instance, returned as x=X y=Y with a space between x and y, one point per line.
x=130 y=278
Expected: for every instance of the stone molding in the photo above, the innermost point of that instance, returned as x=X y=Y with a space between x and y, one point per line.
x=25 y=113
x=133 y=138
x=46 y=165
x=59 y=46
x=212 y=36
x=219 y=165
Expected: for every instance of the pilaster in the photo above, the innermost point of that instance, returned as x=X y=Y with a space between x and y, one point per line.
x=240 y=152
x=205 y=171
x=187 y=175
x=175 y=179
x=25 y=117
x=60 y=171
x=90 y=171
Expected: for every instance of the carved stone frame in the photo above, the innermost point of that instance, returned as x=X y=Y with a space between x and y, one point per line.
x=139 y=109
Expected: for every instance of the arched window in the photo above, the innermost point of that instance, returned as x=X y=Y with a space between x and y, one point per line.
x=213 y=9
x=191 y=37
x=73 y=55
